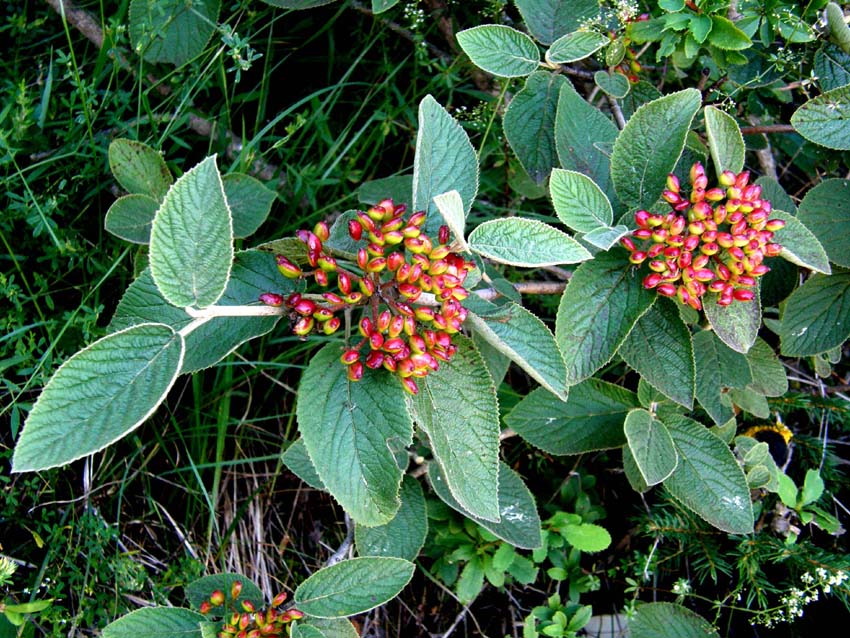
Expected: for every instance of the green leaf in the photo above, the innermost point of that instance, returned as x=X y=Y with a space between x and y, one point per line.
x=737 y=324
x=398 y=188
x=839 y=32
x=156 y=622
x=99 y=395
x=583 y=137
x=139 y=169
x=305 y=631
x=587 y=537
x=500 y=50
x=403 y=536
x=579 y=202
x=816 y=317
x=799 y=244
x=649 y=146
x=726 y=36
x=253 y=273
x=724 y=140
x=776 y=195
x=172 y=31
x=529 y=123
x=379 y=6
x=250 y=202
x=708 y=479
x=718 y=367
x=751 y=402
x=333 y=627
x=525 y=242
x=526 y=340
x=601 y=304
x=661 y=350
x=614 y=84
x=606 y=238
x=353 y=586
x=769 y=378
x=666 y=620
x=575 y=46
x=787 y=491
x=519 y=522
x=548 y=20
x=456 y=406
x=200 y=590
x=299 y=463
x=832 y=67
x=351 y=430
x=825 y=119
x=650 y=445
x=298 y=4
x=590 y=419
x=824 y=209
x=471 y=581
x=191 y=249
x=450 y=207
x=445 y=160
x=130 y=218
x=632 y=472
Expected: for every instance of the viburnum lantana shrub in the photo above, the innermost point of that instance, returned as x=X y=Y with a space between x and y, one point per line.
x=416 y=321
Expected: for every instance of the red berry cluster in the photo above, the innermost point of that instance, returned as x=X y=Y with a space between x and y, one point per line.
x=249 y=622
x=398 y=263
x=713 y=241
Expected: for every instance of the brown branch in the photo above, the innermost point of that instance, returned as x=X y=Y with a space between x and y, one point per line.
x=80 y=19
x=767 y=128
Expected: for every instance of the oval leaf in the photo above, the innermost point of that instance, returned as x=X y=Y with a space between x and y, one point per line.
x=824 y=209
x=666 y=620
x=718 y=367
x=816 y=317
x=799 y=244
x=649 y=146
x=614 y=84
x=525 y=242
x=130 y=218
x=825 y=120
x=724 y=140
x=250 y=202
x=191 y=250
x=650 y=445
x=139 y=169
x=737 y=324
x=403 y=536
x=575 y=46
x=708 y=479
x=299 y=463
x=587 y=537
x=456 y=406
x=769 y=377
x=172 y=31
x=351 y=430
x=156 y=622
x=500 y=50
x=99 y=395
x=548 y=20
x=450 y=206
x=353 y=586
x=579 y=202
x=519 y=522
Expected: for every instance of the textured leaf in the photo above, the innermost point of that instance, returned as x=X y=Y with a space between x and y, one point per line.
x=139 y=168
x=445 y=160
x=575 y=46
x=590 y=419
x=660 y=349
x=548 y=20
x=398 y=188
x=253 y=273
x=525 y=242
x=379 y=6
x=172 y=31
x=299 y=463
x=250 y=202
x=457 y=408
x=519 y=522
x=351 y=430
x=451 y=208
x=306 y=631
x=750 y=401
x=725 y=35
x=718 y=367
x=825 y=119
x=130 y=218
x=334 y=627
x=649 y=146
x=520 y=335
x=601 y=304
x=353 y=586
x=666 y=620
x=633 y=475
x=191 y=250
x=708 y=479
x=298 y=4
x=606 y=238
x=799 y=244
x=737 y=324
x=769 y=376
x=500 y=50
x=776 y=195
x=724 y=140
x=99 y=395
x=587 y=537
x=651 y=446
x=816 y=317
x=832 y=67
x=579 y=202
x=614 y=84
x=156 y=622
x=824 y=209
x=529 y=123
x=200 y=590
x=403 y=536
x=583 y=138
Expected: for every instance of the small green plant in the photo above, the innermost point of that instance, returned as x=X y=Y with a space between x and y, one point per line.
x=556 y=619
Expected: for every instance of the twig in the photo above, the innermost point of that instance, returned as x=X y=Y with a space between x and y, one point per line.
x=767 y=162
x=80 y=19
x=617 y=112
x=767 y=128
x=400 y=30
x=345 y=547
